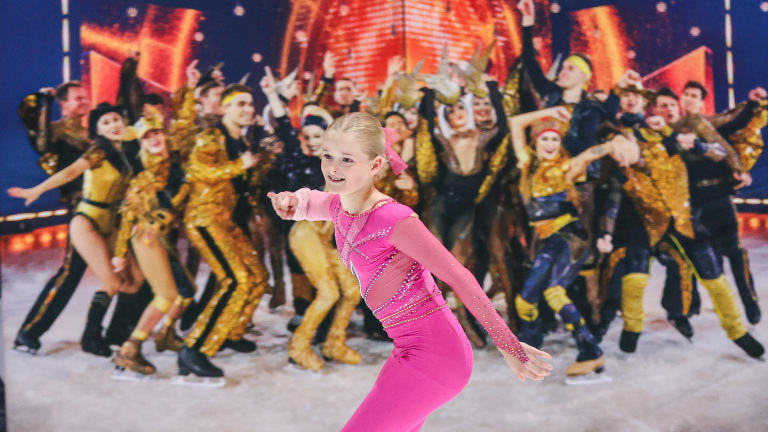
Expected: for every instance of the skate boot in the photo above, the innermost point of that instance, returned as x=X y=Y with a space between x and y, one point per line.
x=166 y=339
x=195 y=369
x=628 y=341
x=530 y=332
x=336 y=349
x=681 y=323
x=241 y=345
x=751 y=346
x=92 y=340
x=300 y=352
x=590 y=363
x=753 y=312
x=278 y=296
x=294 y=322
x=25 y=343
x=130 y=365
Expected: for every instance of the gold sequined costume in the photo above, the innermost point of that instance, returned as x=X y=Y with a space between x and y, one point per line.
x=311 y=243
x=661 y=197
x=208 y=220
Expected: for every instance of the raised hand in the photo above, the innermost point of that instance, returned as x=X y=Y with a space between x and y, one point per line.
x=757 y=94
x=329 y=64
x=535 y=368
x=630 y=77
x=656 y=122
x=29 y=195
x=284 y=203
x=193 y=75
x=268 y=84
x=745 y=179
x=395 y=65
x=526 y=7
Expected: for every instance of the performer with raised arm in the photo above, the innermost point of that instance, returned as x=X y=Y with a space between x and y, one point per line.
x=392 y=255
x=549 y=194
x=59 y=144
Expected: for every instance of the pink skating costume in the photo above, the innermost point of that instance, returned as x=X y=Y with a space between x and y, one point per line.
x=393 y=255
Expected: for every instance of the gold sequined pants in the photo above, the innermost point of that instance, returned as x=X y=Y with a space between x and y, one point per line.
x=326 y=272
x=242 y=281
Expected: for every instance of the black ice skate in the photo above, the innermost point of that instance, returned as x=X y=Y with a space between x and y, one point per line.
x=93 y=343
x=751 y=346
x=628 y=341
x=681 y=323
x=196 y=370
x=25 y=343
x=242 y=346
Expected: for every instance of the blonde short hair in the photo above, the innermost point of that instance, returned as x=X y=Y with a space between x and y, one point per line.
x=365 y=128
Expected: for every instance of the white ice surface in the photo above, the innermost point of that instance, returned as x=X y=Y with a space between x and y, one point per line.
x=668 y=385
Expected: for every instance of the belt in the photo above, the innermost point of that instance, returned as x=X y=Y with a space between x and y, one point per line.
x=710 y=182
x=99 y=204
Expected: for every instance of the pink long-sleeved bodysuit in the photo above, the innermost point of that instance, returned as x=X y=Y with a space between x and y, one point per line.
x=393 y=255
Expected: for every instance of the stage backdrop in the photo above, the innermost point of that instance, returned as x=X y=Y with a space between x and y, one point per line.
x=667 y=42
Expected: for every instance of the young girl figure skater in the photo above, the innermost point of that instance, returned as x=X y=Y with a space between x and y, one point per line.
x=393 y=255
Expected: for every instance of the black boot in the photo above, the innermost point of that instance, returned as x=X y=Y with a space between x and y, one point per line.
x=194 y=362
x=681 y=323
x=587 y=345
x=25 y=342
x=628 y=341
x=530 y=332
x=242 y=346
x=751 y=346
x=753 y=312
x=128 y=310
x=195 y=309
x=92 y=341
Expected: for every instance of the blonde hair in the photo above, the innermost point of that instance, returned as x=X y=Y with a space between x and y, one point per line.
x=366 y=128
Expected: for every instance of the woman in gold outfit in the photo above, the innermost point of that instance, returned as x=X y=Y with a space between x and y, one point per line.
x=107 y=169
x=154 y=201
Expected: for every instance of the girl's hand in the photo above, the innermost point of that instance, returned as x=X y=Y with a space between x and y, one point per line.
x=118 y=264
x=284 y=203
x=534 y=368
x=404 y=182
x=30 y=195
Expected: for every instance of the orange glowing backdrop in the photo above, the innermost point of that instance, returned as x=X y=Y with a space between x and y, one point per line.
x=364 y=34
x=164 y=40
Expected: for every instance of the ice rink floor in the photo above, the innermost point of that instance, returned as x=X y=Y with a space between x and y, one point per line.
x=669 y=384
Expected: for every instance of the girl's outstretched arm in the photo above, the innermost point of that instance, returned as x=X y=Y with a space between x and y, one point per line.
x=412 y=238
x=304 y=204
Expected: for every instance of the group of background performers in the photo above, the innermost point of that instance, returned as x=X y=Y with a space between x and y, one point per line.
x=529 y=181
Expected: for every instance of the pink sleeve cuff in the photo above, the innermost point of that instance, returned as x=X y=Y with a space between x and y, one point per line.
x=313 y=205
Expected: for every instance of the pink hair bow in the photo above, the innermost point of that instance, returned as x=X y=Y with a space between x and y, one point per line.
x=397 y=163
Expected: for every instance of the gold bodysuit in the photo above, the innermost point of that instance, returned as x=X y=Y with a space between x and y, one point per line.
x=104 y=187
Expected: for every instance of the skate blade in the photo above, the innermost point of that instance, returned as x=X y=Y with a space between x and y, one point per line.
x=593 y=378
x=195 y=381
x=25 y=350
x=122 y=374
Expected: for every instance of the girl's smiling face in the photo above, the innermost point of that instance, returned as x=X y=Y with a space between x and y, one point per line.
x=548 y=145
x=346 y=165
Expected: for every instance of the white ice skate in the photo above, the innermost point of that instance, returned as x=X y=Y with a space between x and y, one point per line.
x=193 y=380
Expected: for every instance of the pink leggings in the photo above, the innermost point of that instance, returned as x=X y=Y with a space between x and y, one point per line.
x=430 y=365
